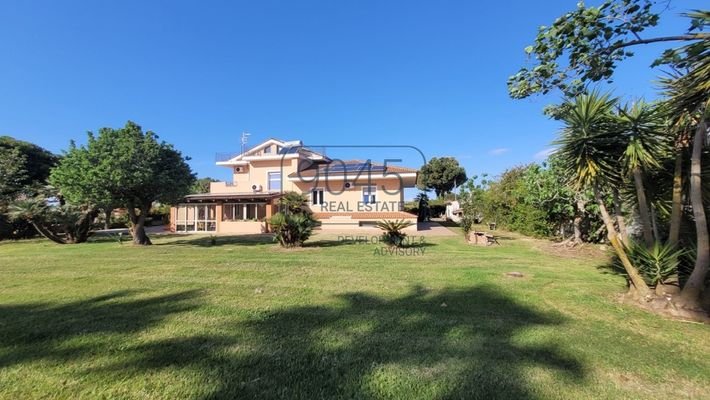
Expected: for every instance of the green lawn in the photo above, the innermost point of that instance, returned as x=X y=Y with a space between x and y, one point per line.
x=246 y=319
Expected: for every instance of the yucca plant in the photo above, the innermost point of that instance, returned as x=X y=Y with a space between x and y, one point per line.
x=393 y=234
x=589 y=153
x=644 y=141
x=657 y=263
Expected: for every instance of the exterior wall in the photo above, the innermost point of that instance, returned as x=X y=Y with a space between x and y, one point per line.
x=257 y=174
x=244 y=227
x=350 y=200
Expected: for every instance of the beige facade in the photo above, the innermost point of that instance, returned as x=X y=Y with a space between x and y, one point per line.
x=342 y=195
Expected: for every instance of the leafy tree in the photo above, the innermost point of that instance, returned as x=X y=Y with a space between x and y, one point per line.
x=471 y=195
x=23 y=165
x=441 y=174
x=13 y=174
x=543 y=188
x=125 y=167
x=24 y=168
x=202 y=185
x=584 y=46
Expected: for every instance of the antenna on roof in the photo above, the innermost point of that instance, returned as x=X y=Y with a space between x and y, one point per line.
x=245 y=138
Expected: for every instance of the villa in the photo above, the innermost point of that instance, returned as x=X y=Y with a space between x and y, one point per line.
x=341 y=194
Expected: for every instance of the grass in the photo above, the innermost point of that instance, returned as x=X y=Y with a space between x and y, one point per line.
x=246 y=319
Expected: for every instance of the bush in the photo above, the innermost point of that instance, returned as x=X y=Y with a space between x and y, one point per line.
x=119 y=221
x=393 y=234
x=293 y=203
x=13 y=230
x=656 y=264
x=437 y=210
x=467 y=224
x=292 y=230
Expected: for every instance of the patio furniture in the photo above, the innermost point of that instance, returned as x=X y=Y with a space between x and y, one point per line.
x=482 y=238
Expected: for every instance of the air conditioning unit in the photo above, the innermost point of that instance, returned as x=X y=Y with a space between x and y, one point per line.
x=348 y=185
x=239 y=169
x=256 y=188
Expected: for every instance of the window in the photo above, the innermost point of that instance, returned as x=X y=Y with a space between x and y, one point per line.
x=274 y=180
x=196 y=218
x=317 y=197
x=243 y=212
x=369 y=194
x=267 y=149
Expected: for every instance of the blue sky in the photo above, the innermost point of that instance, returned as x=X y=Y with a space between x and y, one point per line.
x=427 y=74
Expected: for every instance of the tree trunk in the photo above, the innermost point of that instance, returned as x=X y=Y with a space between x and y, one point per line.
x=577 y=221
x=690 y=295
x=83 y=226
x=619 y=217
x=47 y=233
x=107 y=215
x=654 y=222
x=577 y=226
x=676 y=206
x=138 y=225
x=636 y=280
x=644 y=214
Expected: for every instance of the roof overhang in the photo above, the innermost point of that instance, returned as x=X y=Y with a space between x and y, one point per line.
x=193 y=198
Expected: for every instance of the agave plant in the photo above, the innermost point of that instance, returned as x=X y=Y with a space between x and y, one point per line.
x=393 y=234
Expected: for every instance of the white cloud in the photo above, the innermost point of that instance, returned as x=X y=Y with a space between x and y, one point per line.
x=499 y=151
x=543 y=154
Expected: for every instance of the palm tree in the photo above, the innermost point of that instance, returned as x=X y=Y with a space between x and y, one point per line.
x=34 y=211
x=642 y=127
x=588 y=153
x=690 y=95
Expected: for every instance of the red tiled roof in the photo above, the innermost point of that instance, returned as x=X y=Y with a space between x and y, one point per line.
x=367 y=215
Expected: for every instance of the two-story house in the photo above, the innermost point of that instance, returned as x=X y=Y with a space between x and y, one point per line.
x=342 y=194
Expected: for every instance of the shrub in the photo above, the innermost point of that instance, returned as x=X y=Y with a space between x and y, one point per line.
x=119 y=221
x=422 y=207
x=467 y=224
x=656 y=264
x=292 y=229
x=18 y=229
x=393 y=234
x=293 y=203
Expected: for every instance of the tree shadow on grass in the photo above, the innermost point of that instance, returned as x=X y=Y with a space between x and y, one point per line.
x=448 y=344
x=40 y=331
x=220 y=240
